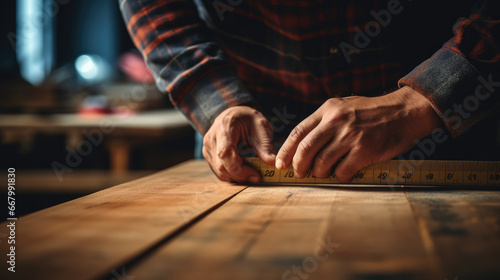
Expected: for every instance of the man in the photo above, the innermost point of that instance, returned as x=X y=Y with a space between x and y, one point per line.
x=231 y=66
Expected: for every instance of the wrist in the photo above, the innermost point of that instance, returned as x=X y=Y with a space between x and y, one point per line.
x=418 y=110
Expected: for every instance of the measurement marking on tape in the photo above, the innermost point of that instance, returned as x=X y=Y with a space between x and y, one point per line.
x=398 y=172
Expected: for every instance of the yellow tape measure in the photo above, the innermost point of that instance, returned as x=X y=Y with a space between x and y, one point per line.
x=398 y=172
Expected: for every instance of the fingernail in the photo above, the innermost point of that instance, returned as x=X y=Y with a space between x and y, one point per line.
x=279 y=164
x=253 y=179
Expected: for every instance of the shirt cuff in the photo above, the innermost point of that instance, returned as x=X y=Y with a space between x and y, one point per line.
x=212 y=94
x=455 y=88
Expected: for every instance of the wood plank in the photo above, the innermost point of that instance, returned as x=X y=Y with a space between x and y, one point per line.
x=463 y=229
x=94 y=235
x=166 y=123
x=264 y=232
x=169 y=118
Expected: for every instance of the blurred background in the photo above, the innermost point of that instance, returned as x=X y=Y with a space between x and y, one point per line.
x=79 y=110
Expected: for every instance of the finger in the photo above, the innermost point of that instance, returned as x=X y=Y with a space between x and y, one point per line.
x=261 y=141
x=227 y=152
x=350 y=165
x=308 y=148
x=229 y=157
x=207 y=143
x=218 y=169
x=247 y=173
x=221 y=173
x=286 y=152
x=328 y=157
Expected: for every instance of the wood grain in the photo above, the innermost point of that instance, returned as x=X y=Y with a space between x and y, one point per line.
x=464 y=229
x=183 y=223
x=264 y=232
x=94 y=235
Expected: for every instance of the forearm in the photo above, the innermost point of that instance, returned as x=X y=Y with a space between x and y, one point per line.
x=183 y=58
x=461 y=80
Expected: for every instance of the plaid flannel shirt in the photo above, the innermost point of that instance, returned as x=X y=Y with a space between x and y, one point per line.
x=214 y=54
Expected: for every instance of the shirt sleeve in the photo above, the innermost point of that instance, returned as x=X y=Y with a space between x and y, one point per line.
x=462 y=79
x=186 y=63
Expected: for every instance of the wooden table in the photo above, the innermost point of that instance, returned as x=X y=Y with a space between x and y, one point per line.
x=183 y=223
x=119 y=132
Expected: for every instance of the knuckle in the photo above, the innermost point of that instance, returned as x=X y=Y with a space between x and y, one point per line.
x=321 y=172
x=227 y=120
x=296 y=164
x=300 y=171
x=332 y=102
x=342 y=175
x=268 y=124
x=347 y=172
x=339 y=116
x=321 y=160
x=220 y=168
x=264 y=123
x=297 y=132
x=224 y=152
x=265 y=142
x=284 y=151
x=305 y=147
x=299 y=174
x=234 y=168
x=207 y=139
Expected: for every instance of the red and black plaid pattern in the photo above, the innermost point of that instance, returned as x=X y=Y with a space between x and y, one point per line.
x=209 y=55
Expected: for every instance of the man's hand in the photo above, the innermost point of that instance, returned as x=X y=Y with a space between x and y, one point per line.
x=235 y=125
x=361 y=130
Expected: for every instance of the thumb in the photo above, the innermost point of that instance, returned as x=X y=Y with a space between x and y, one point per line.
x=261 y=141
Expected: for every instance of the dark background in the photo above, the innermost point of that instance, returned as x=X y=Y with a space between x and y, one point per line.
x=80 y=27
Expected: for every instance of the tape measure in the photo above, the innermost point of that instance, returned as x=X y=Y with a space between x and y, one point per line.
x=397 y=172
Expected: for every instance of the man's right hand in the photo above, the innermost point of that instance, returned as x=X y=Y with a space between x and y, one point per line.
x=235 y=125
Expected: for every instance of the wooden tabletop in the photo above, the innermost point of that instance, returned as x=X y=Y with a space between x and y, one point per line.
x=183 y=223
x=169 y=118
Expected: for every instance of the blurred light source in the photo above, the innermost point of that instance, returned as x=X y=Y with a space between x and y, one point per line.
x=86 y=67
x=34 y=40
x=92 y=68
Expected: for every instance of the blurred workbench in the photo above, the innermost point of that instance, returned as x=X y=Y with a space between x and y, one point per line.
x=119 y=132
x=183 y=223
